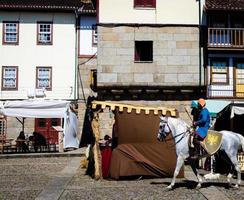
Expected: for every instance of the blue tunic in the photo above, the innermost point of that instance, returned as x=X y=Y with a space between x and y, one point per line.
x=203 y=123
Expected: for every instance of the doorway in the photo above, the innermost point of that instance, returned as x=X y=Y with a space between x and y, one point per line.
x=44 y=126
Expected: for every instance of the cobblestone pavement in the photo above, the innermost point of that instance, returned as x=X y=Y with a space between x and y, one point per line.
x=33 y=178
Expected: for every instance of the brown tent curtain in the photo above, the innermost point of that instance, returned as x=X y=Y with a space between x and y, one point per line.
x=138 y=151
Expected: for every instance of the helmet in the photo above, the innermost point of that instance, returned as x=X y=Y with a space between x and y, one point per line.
x=202 y=102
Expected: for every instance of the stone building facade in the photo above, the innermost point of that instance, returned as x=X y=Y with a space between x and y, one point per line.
x=175 y=59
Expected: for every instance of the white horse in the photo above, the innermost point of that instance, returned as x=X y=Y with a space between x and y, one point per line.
x=180 y=131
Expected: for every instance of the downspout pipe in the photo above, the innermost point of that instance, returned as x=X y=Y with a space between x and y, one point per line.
x=200 y=37
x=77 y=11
x=76 y=53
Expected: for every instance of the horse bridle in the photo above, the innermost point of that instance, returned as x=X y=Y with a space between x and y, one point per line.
x=172 y=138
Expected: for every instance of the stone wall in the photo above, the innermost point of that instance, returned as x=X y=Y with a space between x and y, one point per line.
x=175 y=56
x=84 y=78
x=14 y=127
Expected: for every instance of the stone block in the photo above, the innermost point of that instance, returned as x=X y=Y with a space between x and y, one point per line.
x=171 y=78
x=194 y=60
x=143 y=68
x=160 y=44
x=171 y=44
x=107 y=68
x=143 y=78
x=179 y=52
x=125 y=78
x=160 y=60
x=125 y=51
x=185 y=78
x=107 y=77
x=183 y=45
x=161 y=51
x=126 y=36
x=109 y=51
x=121 y=69
x=160 y=69
x=159 y=78
x=110 y=37
x=165 y=36
x=178 y=60
x=193 y=52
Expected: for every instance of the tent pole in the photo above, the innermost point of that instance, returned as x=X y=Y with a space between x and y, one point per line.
x=23 y=124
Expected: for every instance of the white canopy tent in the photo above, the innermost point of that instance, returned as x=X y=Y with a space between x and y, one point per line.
x=45 y=109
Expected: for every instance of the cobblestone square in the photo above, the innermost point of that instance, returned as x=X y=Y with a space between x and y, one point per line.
x=63 y=178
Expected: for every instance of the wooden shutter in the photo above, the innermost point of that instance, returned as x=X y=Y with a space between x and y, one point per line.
x=145 y=3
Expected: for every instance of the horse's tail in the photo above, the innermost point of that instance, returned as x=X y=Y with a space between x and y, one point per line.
x=242 y=141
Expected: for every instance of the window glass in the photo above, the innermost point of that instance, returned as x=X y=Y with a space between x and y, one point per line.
x=44 y=77
x=9 y=79
x=45 y=33
x=10 y=32
x=219 y=72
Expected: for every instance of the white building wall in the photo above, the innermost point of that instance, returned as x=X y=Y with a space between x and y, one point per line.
x=166 y=12
x=28 y=55
x=85 y=36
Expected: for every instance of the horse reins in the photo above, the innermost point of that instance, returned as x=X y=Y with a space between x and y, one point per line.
x=172 y=138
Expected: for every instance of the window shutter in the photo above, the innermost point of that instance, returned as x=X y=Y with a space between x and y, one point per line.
x=136 y=3
x=145 y=3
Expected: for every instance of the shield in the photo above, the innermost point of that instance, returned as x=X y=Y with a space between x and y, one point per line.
x=212 y=142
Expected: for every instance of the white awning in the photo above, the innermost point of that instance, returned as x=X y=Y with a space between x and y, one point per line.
x=45 y=109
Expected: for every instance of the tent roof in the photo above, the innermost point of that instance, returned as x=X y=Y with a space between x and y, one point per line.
x=138 y=108
x=35 y=108
x=214 y=106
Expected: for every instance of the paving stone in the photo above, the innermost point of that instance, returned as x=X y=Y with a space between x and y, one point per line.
x=63 y=178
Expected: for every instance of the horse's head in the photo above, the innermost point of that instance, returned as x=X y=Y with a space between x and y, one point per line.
x=164 y=129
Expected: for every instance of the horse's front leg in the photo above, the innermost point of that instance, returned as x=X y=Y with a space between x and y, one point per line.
x=179 y=163
x=194 y=169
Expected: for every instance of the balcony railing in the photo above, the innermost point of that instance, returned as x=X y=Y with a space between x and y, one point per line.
x=226 y=37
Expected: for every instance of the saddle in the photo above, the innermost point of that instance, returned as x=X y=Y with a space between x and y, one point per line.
x=212 y=142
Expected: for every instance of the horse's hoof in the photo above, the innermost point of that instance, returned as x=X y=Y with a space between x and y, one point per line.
x=170 y=187
x=236 y=186
x=199 y=185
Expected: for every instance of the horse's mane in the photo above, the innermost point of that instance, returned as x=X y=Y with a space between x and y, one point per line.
x=179 y=121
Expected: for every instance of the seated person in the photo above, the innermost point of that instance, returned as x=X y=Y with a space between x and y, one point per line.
x=20 y=142
x=38 y=140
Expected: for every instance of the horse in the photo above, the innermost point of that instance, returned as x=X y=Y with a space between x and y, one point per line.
x=180 y=130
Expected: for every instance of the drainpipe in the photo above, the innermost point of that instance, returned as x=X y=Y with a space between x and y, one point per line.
x=76 y=49
x=76 y=53
x=200 y=51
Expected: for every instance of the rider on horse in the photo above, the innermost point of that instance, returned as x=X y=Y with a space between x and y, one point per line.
x=202 y=124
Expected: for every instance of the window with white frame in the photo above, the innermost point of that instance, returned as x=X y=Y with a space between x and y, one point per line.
x=9 y=78
x=10 y=32
x=240 y=73
x=94 y=35
x=44 y=77
x=219 y=72
x=44 y=32
x=145 y=3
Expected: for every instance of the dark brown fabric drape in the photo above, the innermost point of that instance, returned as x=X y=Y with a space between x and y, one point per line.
x=138 y=151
